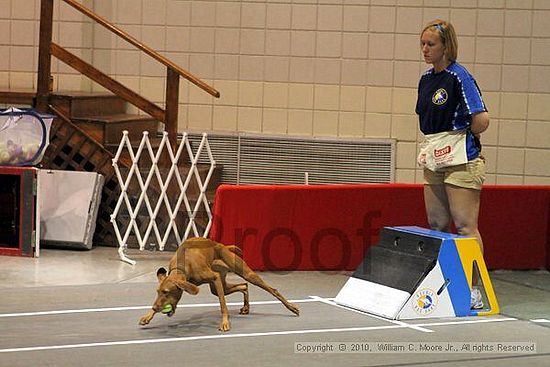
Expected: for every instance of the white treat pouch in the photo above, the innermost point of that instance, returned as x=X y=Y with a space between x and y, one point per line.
x=443 y=149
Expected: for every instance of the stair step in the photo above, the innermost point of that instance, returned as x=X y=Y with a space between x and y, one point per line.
x=107 y=129
x=79 y=104
x=17 y=97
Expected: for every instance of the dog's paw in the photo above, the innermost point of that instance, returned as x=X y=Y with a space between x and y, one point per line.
x=294 y=309
x=245 y=310
x=225 y=325
x=145 y=320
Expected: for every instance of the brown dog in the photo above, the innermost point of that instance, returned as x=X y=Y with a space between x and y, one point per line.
x=198 y=261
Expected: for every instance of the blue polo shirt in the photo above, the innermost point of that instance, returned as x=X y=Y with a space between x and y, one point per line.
x=446 y=102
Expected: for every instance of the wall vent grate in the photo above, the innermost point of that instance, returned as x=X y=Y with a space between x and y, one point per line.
x=266 y=159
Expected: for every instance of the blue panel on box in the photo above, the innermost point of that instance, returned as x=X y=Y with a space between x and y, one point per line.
x=426 y=232
x=452 y=270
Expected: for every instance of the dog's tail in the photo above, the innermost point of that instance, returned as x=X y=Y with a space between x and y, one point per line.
x=234 y=249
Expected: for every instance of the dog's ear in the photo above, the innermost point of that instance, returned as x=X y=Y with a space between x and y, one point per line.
x=161 y=274
x=184 y=285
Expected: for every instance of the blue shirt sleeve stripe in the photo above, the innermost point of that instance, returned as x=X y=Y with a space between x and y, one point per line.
x=471 y=94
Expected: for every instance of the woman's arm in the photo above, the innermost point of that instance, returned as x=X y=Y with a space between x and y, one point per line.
x=480 y=122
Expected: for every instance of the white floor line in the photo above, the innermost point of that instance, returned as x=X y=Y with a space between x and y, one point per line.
x=193 y=338
x=421 y=325
x=226 y=336
x=64 y=312
x=539 y=320
x=129 y=308
x=396 y=325
x=396 y=322
x=466 y=322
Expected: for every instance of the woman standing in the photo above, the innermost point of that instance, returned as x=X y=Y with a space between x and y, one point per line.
x=452 y=117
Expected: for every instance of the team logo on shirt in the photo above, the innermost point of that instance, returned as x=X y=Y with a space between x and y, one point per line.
x=440 y=97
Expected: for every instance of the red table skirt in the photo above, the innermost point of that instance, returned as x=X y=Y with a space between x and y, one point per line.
x=330 y=227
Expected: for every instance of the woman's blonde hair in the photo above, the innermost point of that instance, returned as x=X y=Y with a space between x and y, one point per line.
x=447 y=35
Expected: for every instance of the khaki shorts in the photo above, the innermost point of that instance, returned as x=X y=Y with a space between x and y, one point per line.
x=470 y=175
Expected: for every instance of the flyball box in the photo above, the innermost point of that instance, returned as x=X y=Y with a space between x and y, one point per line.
x=419 y=273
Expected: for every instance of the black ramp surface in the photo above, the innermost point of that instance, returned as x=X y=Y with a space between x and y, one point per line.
x=400 y=260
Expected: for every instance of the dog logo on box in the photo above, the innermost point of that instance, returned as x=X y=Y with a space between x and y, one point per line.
x=425 y=301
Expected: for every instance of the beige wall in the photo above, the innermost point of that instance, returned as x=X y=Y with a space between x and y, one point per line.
x=346 y=68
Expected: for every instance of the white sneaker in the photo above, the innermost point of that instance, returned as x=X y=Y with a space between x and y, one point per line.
x=476 y=301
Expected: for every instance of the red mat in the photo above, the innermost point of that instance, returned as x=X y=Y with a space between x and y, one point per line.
x=330 y=227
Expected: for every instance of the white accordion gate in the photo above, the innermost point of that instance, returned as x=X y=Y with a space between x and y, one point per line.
x=162 y=201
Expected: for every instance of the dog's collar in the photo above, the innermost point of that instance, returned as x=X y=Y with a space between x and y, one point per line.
x=176 y=268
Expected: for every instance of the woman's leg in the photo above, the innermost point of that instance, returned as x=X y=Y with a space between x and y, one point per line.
x=464 y=209
x=437 y=207
x=464 y=204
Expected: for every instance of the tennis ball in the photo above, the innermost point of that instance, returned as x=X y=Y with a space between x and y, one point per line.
x=4 y=156
x=167 y=308
x=29 y=150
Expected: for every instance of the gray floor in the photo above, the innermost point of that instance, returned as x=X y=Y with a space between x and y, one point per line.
x=74 y=308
